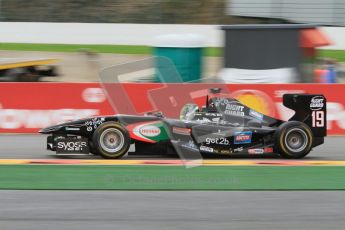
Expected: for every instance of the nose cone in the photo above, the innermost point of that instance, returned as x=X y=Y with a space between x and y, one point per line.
x=50 y=129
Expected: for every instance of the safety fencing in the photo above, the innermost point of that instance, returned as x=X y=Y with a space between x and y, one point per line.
x=28 y=107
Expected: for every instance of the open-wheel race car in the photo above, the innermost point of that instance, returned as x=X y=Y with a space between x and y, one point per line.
x=222 y=126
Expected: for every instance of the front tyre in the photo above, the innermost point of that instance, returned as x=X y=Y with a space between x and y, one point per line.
x=293 y=140
x=111 y=140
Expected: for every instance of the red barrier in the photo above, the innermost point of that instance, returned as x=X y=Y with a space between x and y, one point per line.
x=27 y=107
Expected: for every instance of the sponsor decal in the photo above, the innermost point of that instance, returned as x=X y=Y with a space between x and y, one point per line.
x=240 y=149
x=203 y=120
x=268 y=150
x=225 y=151
x=206 y=149
x=255 y=151
x=217 y=141
x=72 y=129
x=58 y=137
x=149 y=130
x=212 y=114
x=256 y=115
x=94 y=123
x=72 y=145
x=234 y=109
x=221 y=102
x=243 y=137
x=317 y=103
x=182 y=131
x=217 y=119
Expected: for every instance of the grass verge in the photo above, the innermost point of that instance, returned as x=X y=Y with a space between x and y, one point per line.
x=128 y=49
x=339 y=55
x=172 y=177
x=119 y=49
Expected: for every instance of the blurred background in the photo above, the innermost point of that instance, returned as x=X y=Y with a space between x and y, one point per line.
x=64 y=44
x=241 y=41
x=120 y=11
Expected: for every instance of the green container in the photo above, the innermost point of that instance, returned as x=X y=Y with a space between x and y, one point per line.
x=185 y=53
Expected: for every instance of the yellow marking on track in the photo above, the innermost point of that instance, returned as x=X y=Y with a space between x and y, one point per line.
x=228 y=162
x=14 y=161
x=170 y=162
x=112 y=162
x=340 y=163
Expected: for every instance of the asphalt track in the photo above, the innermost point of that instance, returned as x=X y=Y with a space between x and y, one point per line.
x=152 y=210
x=34 y=147
x=76 y=210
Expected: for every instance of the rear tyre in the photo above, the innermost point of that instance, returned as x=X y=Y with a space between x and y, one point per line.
x=293 y=140
x=111 y=140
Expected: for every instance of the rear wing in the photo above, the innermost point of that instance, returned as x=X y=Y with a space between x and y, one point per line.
x=309 y=109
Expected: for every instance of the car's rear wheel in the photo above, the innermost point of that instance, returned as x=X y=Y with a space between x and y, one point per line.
x=293 y=139
x=111 y=140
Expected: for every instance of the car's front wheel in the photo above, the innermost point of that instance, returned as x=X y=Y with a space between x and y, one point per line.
x=111 y=140
x=293 y=139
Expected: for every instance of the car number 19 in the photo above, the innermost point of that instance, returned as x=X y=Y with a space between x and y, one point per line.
x=318 y=119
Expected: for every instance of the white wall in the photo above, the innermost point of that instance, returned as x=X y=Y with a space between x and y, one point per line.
x=121 y=34
x=337 y=36
x=100 y=33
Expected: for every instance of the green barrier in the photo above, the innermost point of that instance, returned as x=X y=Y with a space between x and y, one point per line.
x=172 y=177
x=188 y=62
x=185 y=51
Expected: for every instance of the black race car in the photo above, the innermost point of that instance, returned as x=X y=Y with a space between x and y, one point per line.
x=223 y=126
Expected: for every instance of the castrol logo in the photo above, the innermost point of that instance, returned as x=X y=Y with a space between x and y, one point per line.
x=149 y=131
